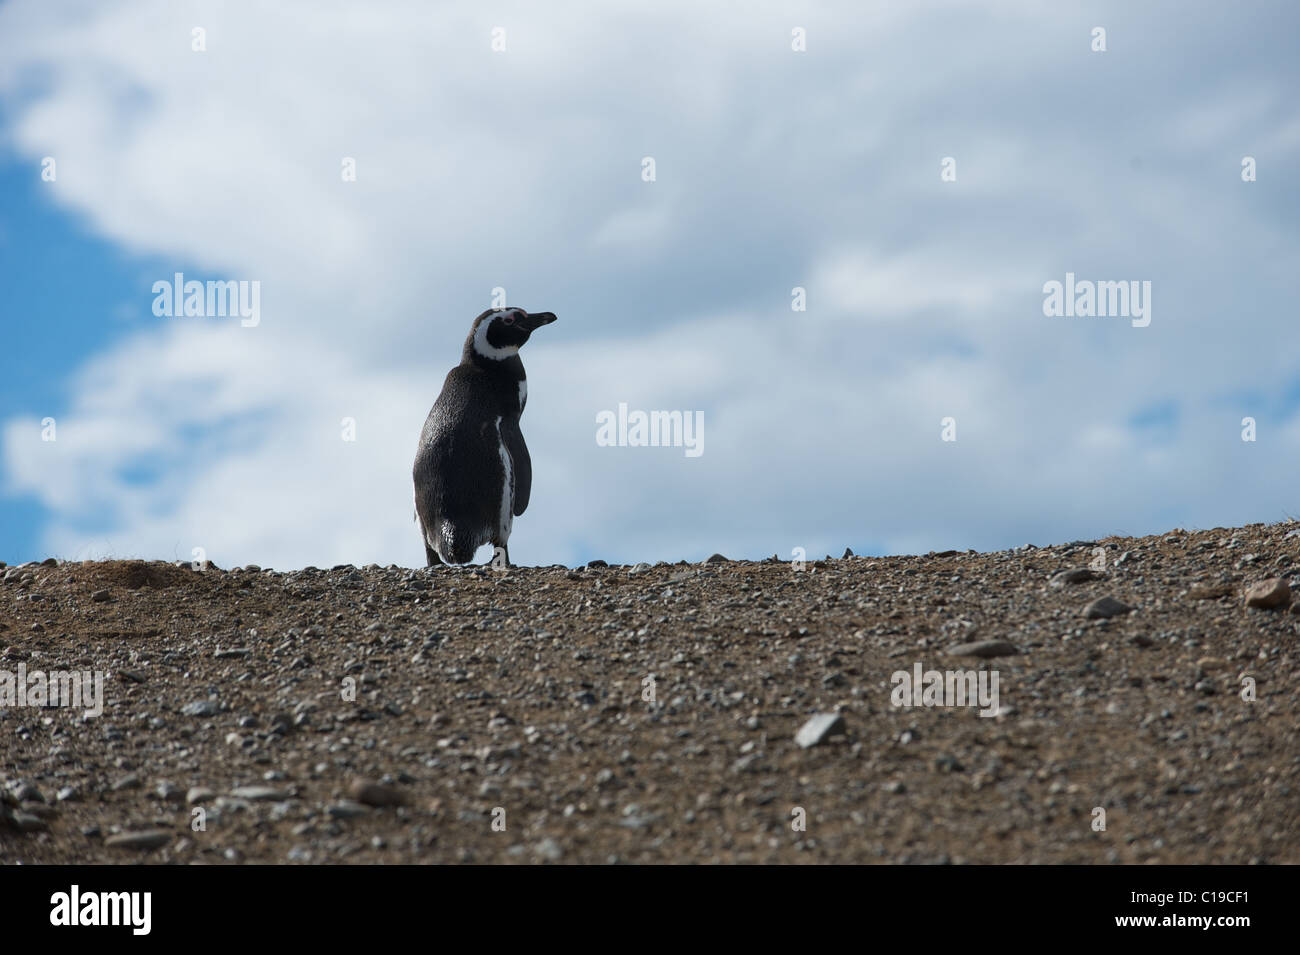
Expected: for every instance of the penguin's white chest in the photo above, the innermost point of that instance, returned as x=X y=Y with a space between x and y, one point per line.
x=506 y=516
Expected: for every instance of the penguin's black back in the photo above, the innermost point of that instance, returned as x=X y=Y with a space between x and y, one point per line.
x=458 y=469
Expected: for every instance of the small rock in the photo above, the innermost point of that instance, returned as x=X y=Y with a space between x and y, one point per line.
x=100 y=596
x=201 y=708
x=946 y=763
x=1104 y=607
x=144 y=839
x=818 y=729
x=126 y=782
x=550 y=850
x=282 y=723
x=375 y=794
x=232 y=653
x=347 y=809
x=1210 y=593
x=1078 y=575
x=715 y=559
x=26 y=792
x=198 y=794
x=170 y=792
x=1269 y=594
x=69 y=794
x=984 y=648
x=260 y=793
x=597 y=563
x=639 y=568
x=26 y=822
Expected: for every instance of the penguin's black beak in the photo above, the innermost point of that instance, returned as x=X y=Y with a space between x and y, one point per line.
x=535 y=320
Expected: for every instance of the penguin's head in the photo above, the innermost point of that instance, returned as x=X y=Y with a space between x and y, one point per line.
x=499 y=332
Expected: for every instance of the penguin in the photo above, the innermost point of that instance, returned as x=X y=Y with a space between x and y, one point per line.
x=472 y=472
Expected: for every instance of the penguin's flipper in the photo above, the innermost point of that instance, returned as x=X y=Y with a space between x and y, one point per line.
x=519 y=462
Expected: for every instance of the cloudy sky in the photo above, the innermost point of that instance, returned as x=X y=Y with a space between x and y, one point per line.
x=523 y=169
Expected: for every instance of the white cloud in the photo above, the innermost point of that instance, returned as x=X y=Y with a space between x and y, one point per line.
x=775 y=169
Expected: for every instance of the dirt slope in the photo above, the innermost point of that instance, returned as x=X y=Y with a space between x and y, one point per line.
x=519 y=699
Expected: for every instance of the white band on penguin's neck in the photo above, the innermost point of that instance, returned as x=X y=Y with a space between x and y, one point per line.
x=485 y=348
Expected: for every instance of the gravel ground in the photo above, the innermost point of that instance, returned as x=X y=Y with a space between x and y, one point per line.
x=649 y=713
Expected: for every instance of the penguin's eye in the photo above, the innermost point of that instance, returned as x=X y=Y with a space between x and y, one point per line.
x=508 y=319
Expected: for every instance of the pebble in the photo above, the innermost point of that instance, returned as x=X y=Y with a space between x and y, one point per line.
x=550 y=850
x=201 y=708
x=100 y=596
x=26 y=792
x=1269 y=594
x=1104 y=607
x=27 y=822
x=375 y=794
x=260 y=793
x=1077 y=575
x=818 y=729
x=984 y=648
x=639 y=568
x=198 y=794
x=715 y=559
x=170 y=792
x=348 y=809
x=282 y=723
x=143 y=839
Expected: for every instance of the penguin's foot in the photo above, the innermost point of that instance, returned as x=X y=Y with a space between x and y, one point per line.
x=500 y=557
x=431 y=556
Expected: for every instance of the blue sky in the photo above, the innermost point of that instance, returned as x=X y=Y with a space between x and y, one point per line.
x=59 y=283
x=521 y=169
